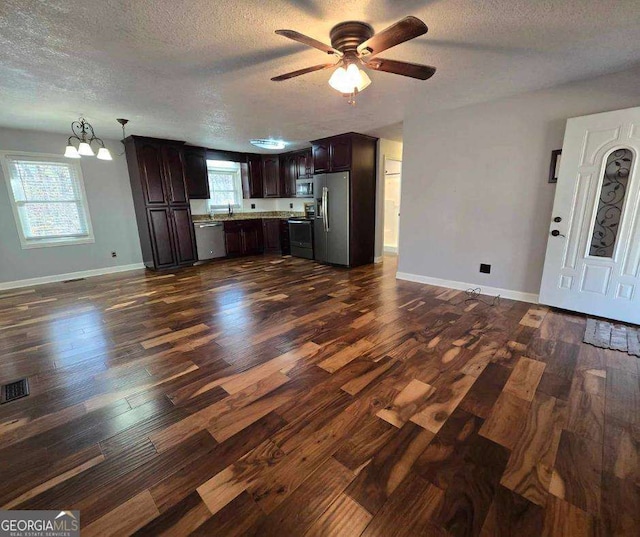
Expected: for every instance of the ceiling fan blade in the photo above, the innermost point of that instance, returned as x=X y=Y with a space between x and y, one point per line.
x=403 y=30
x=414 y=70
x=309 y=41
x=304 y=71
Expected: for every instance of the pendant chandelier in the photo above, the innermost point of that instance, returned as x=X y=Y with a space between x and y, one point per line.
x=83 y=133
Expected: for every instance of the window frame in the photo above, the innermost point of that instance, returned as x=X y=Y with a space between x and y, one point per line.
x=46 y=242
x=237 y=187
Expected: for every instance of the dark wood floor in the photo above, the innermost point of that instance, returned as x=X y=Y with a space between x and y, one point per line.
x=271 y=396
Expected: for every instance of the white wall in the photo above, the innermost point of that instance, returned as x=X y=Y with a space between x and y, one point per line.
x=388 y=149
x=110 y=207
x=474 y=182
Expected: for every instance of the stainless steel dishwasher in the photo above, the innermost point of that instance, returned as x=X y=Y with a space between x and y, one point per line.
x=210 y=240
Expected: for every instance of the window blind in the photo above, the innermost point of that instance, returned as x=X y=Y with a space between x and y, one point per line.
x=48 y=198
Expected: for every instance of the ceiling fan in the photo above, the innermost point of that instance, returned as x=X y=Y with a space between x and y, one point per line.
x=355 y=43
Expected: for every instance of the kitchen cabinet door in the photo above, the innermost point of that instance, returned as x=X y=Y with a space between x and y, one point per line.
x=174 y=172
x=271 y=232
x=151 y=174
x=285 y=242
x=195 y=169
x=184 y=236
x=290 y=175
x=252 y=242
x=340 y=154
x=303 y=162
x=321 y=157
x=159 y=221
x=271 y=176
x=256 y=187
x=233 y=241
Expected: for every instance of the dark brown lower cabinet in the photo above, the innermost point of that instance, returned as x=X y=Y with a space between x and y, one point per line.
x=271 y=228
x=172 y=237
x=184 y=236
x=285 y=241
x=164 y=255
x=243 y=237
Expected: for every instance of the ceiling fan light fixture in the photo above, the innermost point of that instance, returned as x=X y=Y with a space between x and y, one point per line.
x=268 y=143
x=349 y=80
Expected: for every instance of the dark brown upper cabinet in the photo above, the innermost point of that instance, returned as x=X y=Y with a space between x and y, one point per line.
x=321 y=152
x=254 y=187
x=305 y=164
x=333 y=154
x=157 y=171
x=175 y=177
x=151 y=173
x=340 y=154
x=271 y=176
x=195 y=170
x=289 y=174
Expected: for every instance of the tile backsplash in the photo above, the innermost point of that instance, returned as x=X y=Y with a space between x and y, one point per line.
x=261 y=205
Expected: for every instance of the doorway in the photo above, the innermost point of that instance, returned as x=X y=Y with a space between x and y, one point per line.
x=392 y=184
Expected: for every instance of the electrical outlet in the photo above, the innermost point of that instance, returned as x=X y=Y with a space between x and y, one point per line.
x=291 y=206
x=253 y=205
x=485 y=269
x=114 y=254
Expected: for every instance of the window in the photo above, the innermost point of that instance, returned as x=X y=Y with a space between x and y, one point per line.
x=610 y=203
x=225 y=184
x=48 y=198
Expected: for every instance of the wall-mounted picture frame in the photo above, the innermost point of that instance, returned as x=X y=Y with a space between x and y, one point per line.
x=554 y=167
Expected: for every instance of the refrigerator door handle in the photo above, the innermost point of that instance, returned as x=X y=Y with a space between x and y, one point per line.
x=325 y=207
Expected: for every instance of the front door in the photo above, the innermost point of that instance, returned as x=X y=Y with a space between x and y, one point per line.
x=592 y=263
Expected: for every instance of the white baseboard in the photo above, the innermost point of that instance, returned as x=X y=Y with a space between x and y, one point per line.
x=69 y=276
x=378 y=259
x=390 y=249
x=451 y=284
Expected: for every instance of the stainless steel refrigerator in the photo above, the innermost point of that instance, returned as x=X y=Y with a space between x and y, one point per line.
x=331 y=226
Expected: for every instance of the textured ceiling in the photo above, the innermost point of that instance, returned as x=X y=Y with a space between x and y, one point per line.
x=199 y=70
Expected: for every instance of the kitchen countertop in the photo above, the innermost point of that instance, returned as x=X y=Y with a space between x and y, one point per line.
x=253 y=215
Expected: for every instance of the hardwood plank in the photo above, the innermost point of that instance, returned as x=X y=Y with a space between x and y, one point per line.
x=524 y=378
x=124 y=519
x=182 y=519
x=407 y=403
x=511 y=514
x=443 y=402
x=577 y=472
x=343 y=518
x=305 y=505
x=532 y=459
x=409 y=512
x=507 y=420
x=380 y=478
x=565 y=520
x=239 y=518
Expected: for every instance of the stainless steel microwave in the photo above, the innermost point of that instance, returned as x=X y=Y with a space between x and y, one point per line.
x=304 y=188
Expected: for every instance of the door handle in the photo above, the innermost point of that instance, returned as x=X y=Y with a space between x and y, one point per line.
x=325 y=207
x=556 y=233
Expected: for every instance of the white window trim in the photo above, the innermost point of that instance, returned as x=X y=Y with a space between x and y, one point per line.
x=238 y=189
x=46 y=242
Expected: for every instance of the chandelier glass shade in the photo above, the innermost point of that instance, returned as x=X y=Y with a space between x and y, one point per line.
x=83 y=134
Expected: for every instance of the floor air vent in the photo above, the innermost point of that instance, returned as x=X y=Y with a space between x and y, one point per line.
x=14 y=390
x=74 y=280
